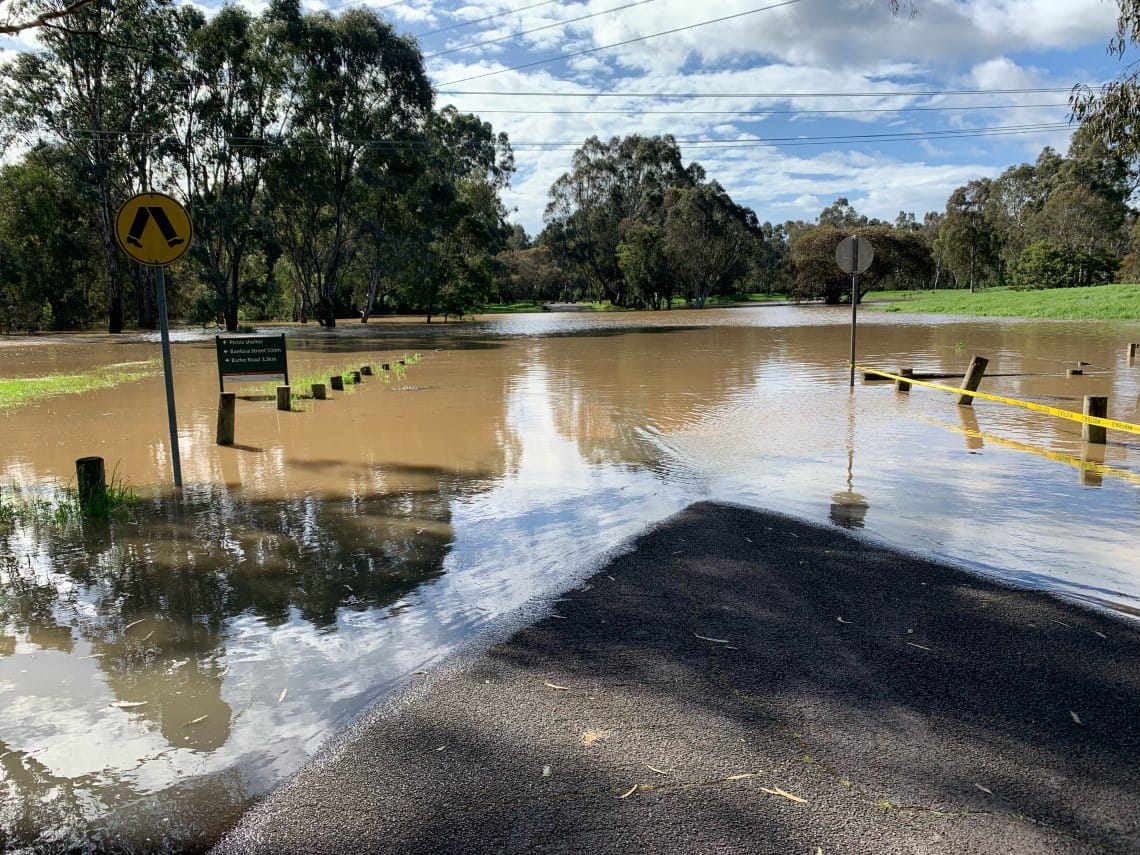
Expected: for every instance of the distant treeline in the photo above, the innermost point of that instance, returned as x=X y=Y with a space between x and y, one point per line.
x=324 y=184
x=633 y=224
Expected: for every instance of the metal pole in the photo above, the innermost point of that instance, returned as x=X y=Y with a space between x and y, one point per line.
x=854 y=299
x=160 y=284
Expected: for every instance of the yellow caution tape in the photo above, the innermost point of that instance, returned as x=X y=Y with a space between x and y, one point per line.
x=1076 y=462
x=1112 y=424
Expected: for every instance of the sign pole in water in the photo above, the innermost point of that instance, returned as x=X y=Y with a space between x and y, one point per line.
x=854 y=255
x=155 y=230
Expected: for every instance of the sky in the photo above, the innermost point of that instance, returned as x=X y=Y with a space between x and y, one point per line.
x=788 y=104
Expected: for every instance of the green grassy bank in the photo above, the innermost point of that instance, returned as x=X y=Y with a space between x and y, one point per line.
x=1102 y=302
x=18 y=391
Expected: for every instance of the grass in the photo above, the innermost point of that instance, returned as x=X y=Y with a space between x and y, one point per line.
x=302 y=385
x=510 y=308
x=1100 y=302
x=21 y=391
x=62 y=506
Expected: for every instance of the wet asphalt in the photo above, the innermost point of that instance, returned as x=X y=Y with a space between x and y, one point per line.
x=741 y=682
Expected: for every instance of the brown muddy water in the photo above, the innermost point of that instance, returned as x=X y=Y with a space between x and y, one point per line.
x=161 y=671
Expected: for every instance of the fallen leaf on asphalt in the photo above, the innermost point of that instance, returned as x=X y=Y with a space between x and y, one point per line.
x=1062 y=623
x=655 y=769
x=284 y=692
x=555 y=685
x=984 y=789
x=841 y=620
x=1076 y=717
x=629 y=793
x=713 y=640
x=919 y=646
x=1101 y=634
x=611 y=578
x=776 y=791
x=198 y=720
x=741 y=776
x=593 y=735
x=127 y=705
x=556 y=615
x=133 y=623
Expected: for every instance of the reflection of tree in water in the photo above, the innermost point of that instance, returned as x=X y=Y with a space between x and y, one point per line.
x=153 y=597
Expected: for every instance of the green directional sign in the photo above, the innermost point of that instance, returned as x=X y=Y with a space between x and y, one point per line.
x=251 y=359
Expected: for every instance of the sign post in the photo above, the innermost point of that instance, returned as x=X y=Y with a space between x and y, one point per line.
x=155 y=230
x=251 y=359
x=854 y=255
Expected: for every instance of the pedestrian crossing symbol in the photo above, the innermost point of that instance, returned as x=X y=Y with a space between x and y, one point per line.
x=153 y=228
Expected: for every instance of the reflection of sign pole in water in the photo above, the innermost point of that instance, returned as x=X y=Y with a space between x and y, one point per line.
x=156 y=246
x=854 y=255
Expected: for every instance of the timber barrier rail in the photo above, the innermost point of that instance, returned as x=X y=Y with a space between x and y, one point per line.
x=904 y=379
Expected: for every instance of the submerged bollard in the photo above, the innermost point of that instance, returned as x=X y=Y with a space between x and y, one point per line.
x=1074 y=372
x=227 y=417
x=1096 y=406
x=1133 y=352
x=902 y=385
x=366 y=370
x=91 y=476
x=972 y=380
x=355 y=376
x=319 y=391
x=284 y=398
x=386 y=366
x=337 y=382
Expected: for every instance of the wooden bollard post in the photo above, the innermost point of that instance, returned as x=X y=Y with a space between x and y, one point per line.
x=285 y=398
x=1074 y=372
x=366 y=370
x=337 y=382
x=319 y=391
x=1133 y=352
x=227 y=416
x=902 y=385
x=386 y=366
x=355 y=376
x=401 y=362
x=1096 y=406
x=91 y=477
x=973 y=379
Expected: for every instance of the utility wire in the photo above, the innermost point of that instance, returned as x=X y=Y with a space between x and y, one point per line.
x=622 y=43
x=857 y=111
x=484 y=20
x=555 y=25
x=899 y=93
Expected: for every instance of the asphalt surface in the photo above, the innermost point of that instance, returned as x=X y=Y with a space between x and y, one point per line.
x=743 y=682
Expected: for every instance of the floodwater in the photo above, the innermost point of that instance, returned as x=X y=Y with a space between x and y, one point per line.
x=159 y=672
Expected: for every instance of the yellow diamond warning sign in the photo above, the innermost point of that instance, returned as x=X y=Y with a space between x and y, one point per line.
x=153 y=228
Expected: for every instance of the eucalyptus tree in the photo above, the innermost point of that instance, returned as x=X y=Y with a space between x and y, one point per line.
x=611 y=186
x=710 y=240
x=353 y=85
x=233 y=112
x=457 y=216
x=967 y=240
x=48 y=235
x=102 y=88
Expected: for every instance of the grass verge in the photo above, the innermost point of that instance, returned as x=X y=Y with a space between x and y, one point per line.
x=1099 y=302
x=21 y=391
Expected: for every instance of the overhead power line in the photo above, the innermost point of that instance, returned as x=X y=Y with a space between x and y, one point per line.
x=621 y=43
x=895 y=93
x=855 y=110
x=553 y=26
x=484 y=20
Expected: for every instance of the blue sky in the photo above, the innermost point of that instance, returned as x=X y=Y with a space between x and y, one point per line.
x=789 y=104
x=784 y=104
